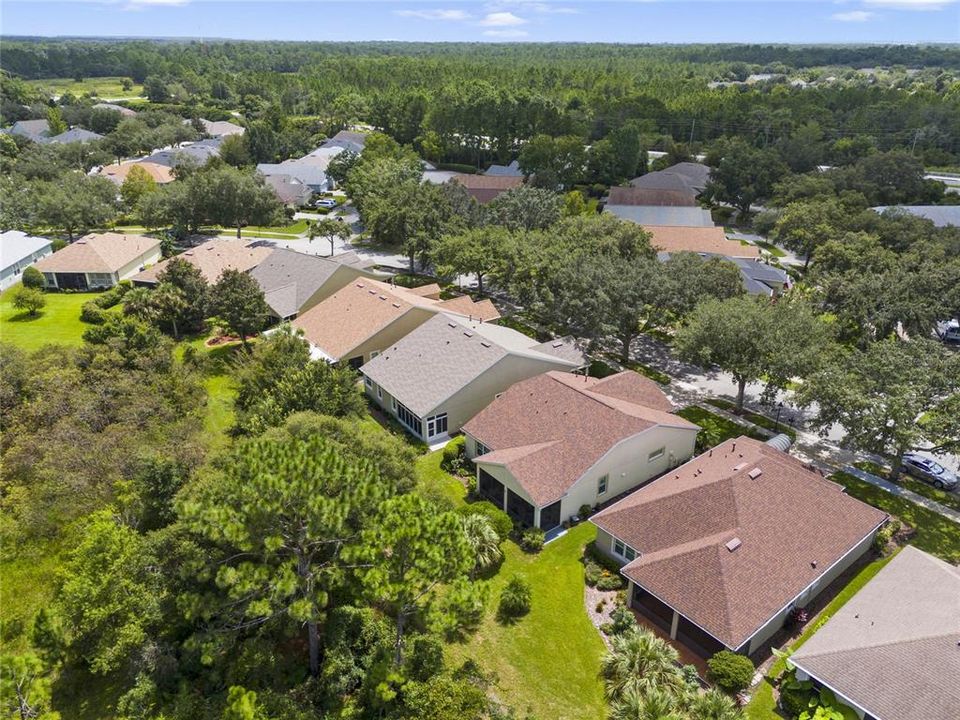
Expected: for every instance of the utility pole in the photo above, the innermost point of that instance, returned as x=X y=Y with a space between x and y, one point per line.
x=692 y=126
x=913 y=148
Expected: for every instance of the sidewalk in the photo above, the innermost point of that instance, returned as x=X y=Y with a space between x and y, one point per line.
x=899 y=491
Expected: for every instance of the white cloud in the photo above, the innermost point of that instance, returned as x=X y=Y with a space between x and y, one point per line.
x=502 y=19
x=853 y=16
x=507 y=34
x=545 y=8
x=435 y=14
x=911 y=4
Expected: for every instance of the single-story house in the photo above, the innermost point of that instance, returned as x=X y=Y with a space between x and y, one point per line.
x=892 y=652
x=198 y=152
x=444 y=372
x=220 y=128
x=294 y=282
x=939 y=215
x=687 y=177
x=212 y=258
x=365 y=317
x=511 y=170
x=348 y=140
x=719 y=551
x=288 y=189
x=485 y=188
x=549 y=445
x=17 y=252
x=76 y=134
x=98 y=260
x=125 y=111
x=660 y=215
x=118 y=173
x=759 y=278
x=310 y=170
x=36 y=130
x=701 y=240
x=650 y=196
x=438 y=177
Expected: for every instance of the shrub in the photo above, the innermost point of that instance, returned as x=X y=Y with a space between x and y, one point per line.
x=584 y=511
x=425 y=658
x=797 y=618
x=885 y=535
x=691 y=676
x=592 y=573
x=609 y=581
x=730 y=672
x=30 y=300
x=600 y=606
x=498 y=518
x=91 y=313
x=622 y=620
x=33 y=278
x=515 y=598
x=532 y=540
x=109 y=298
x=455 y=458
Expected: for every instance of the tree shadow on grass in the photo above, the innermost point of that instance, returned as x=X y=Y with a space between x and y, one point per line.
x=25 y=316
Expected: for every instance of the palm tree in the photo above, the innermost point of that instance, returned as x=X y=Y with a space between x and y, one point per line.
x=712 y=705
x=640 y=661
x=483 y=540
x=650 y=705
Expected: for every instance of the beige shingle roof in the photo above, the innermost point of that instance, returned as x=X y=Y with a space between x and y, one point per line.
x=98 y=253
x=118 y=173
x=650 y=196
x=792 y=525
x=552 y=428
x=213 y=257
x=485 y=188
x=361 y=309
x=712 y=240
x=894 y=647
x=446 y=353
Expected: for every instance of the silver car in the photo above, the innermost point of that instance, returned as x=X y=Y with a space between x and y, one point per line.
x=929 y=470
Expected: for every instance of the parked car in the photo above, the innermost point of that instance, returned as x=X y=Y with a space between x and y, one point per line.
x=325 y=203
x=929 y=470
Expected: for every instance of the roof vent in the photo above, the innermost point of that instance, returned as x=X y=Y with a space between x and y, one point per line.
x=452 y=324
x=739 y=467
x=359 y=285
x=383 y=297
x=485 y=343
x=755 y=473
x=372 y=292
x=396 y=305
x=468 y=334
x=734 y=544
x=557 y=344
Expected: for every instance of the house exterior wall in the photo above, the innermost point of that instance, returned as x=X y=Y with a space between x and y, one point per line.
x=626 y=466
x=604 y=543
x=832 y=573
x=389 y=335
x=151 y=256
x=11 y=274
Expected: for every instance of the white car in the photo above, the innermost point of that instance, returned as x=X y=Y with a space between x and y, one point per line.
x=325 y=203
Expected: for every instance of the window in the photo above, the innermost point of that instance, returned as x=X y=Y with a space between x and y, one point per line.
x=655 y=455
x=374 y=353
x=367 y=381
x=379 y=393
x=393 y=403
x=623 y=550
x=602 y=484
x=482 y=449
x=436 y=425
x=409 y=419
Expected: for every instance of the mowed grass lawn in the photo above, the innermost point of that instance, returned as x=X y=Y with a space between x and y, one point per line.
x=58 y=323
x=547 y=663
x=106 y=87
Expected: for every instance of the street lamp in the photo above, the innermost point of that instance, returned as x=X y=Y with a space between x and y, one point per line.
x=776 y=425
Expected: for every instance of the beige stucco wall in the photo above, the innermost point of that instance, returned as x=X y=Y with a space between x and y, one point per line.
x=604 y=543
x=150 y=257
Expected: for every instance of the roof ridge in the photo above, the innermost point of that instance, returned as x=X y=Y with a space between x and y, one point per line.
x=947 y=634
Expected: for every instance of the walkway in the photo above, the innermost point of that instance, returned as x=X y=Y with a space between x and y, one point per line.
x=899 y=491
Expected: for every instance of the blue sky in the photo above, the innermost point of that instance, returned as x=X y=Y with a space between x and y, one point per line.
x=630 y=21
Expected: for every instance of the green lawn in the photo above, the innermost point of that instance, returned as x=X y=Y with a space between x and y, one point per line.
x=106 y=87
x=935 y=533
x=548 y=662
x=58 y=323
x=762 y=705
x=770 y=248
x=715 y=428
x=756 y=418
x=948 y=499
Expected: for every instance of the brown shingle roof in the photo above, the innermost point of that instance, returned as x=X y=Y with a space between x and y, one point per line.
x=893 y=648
x=484 y=188
x=118 y=173
x=552 y=428
x=98 y=253
x=213 y=257
x=792 y=525
x=650 y=196
x=363 y=308
x=712 y=240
